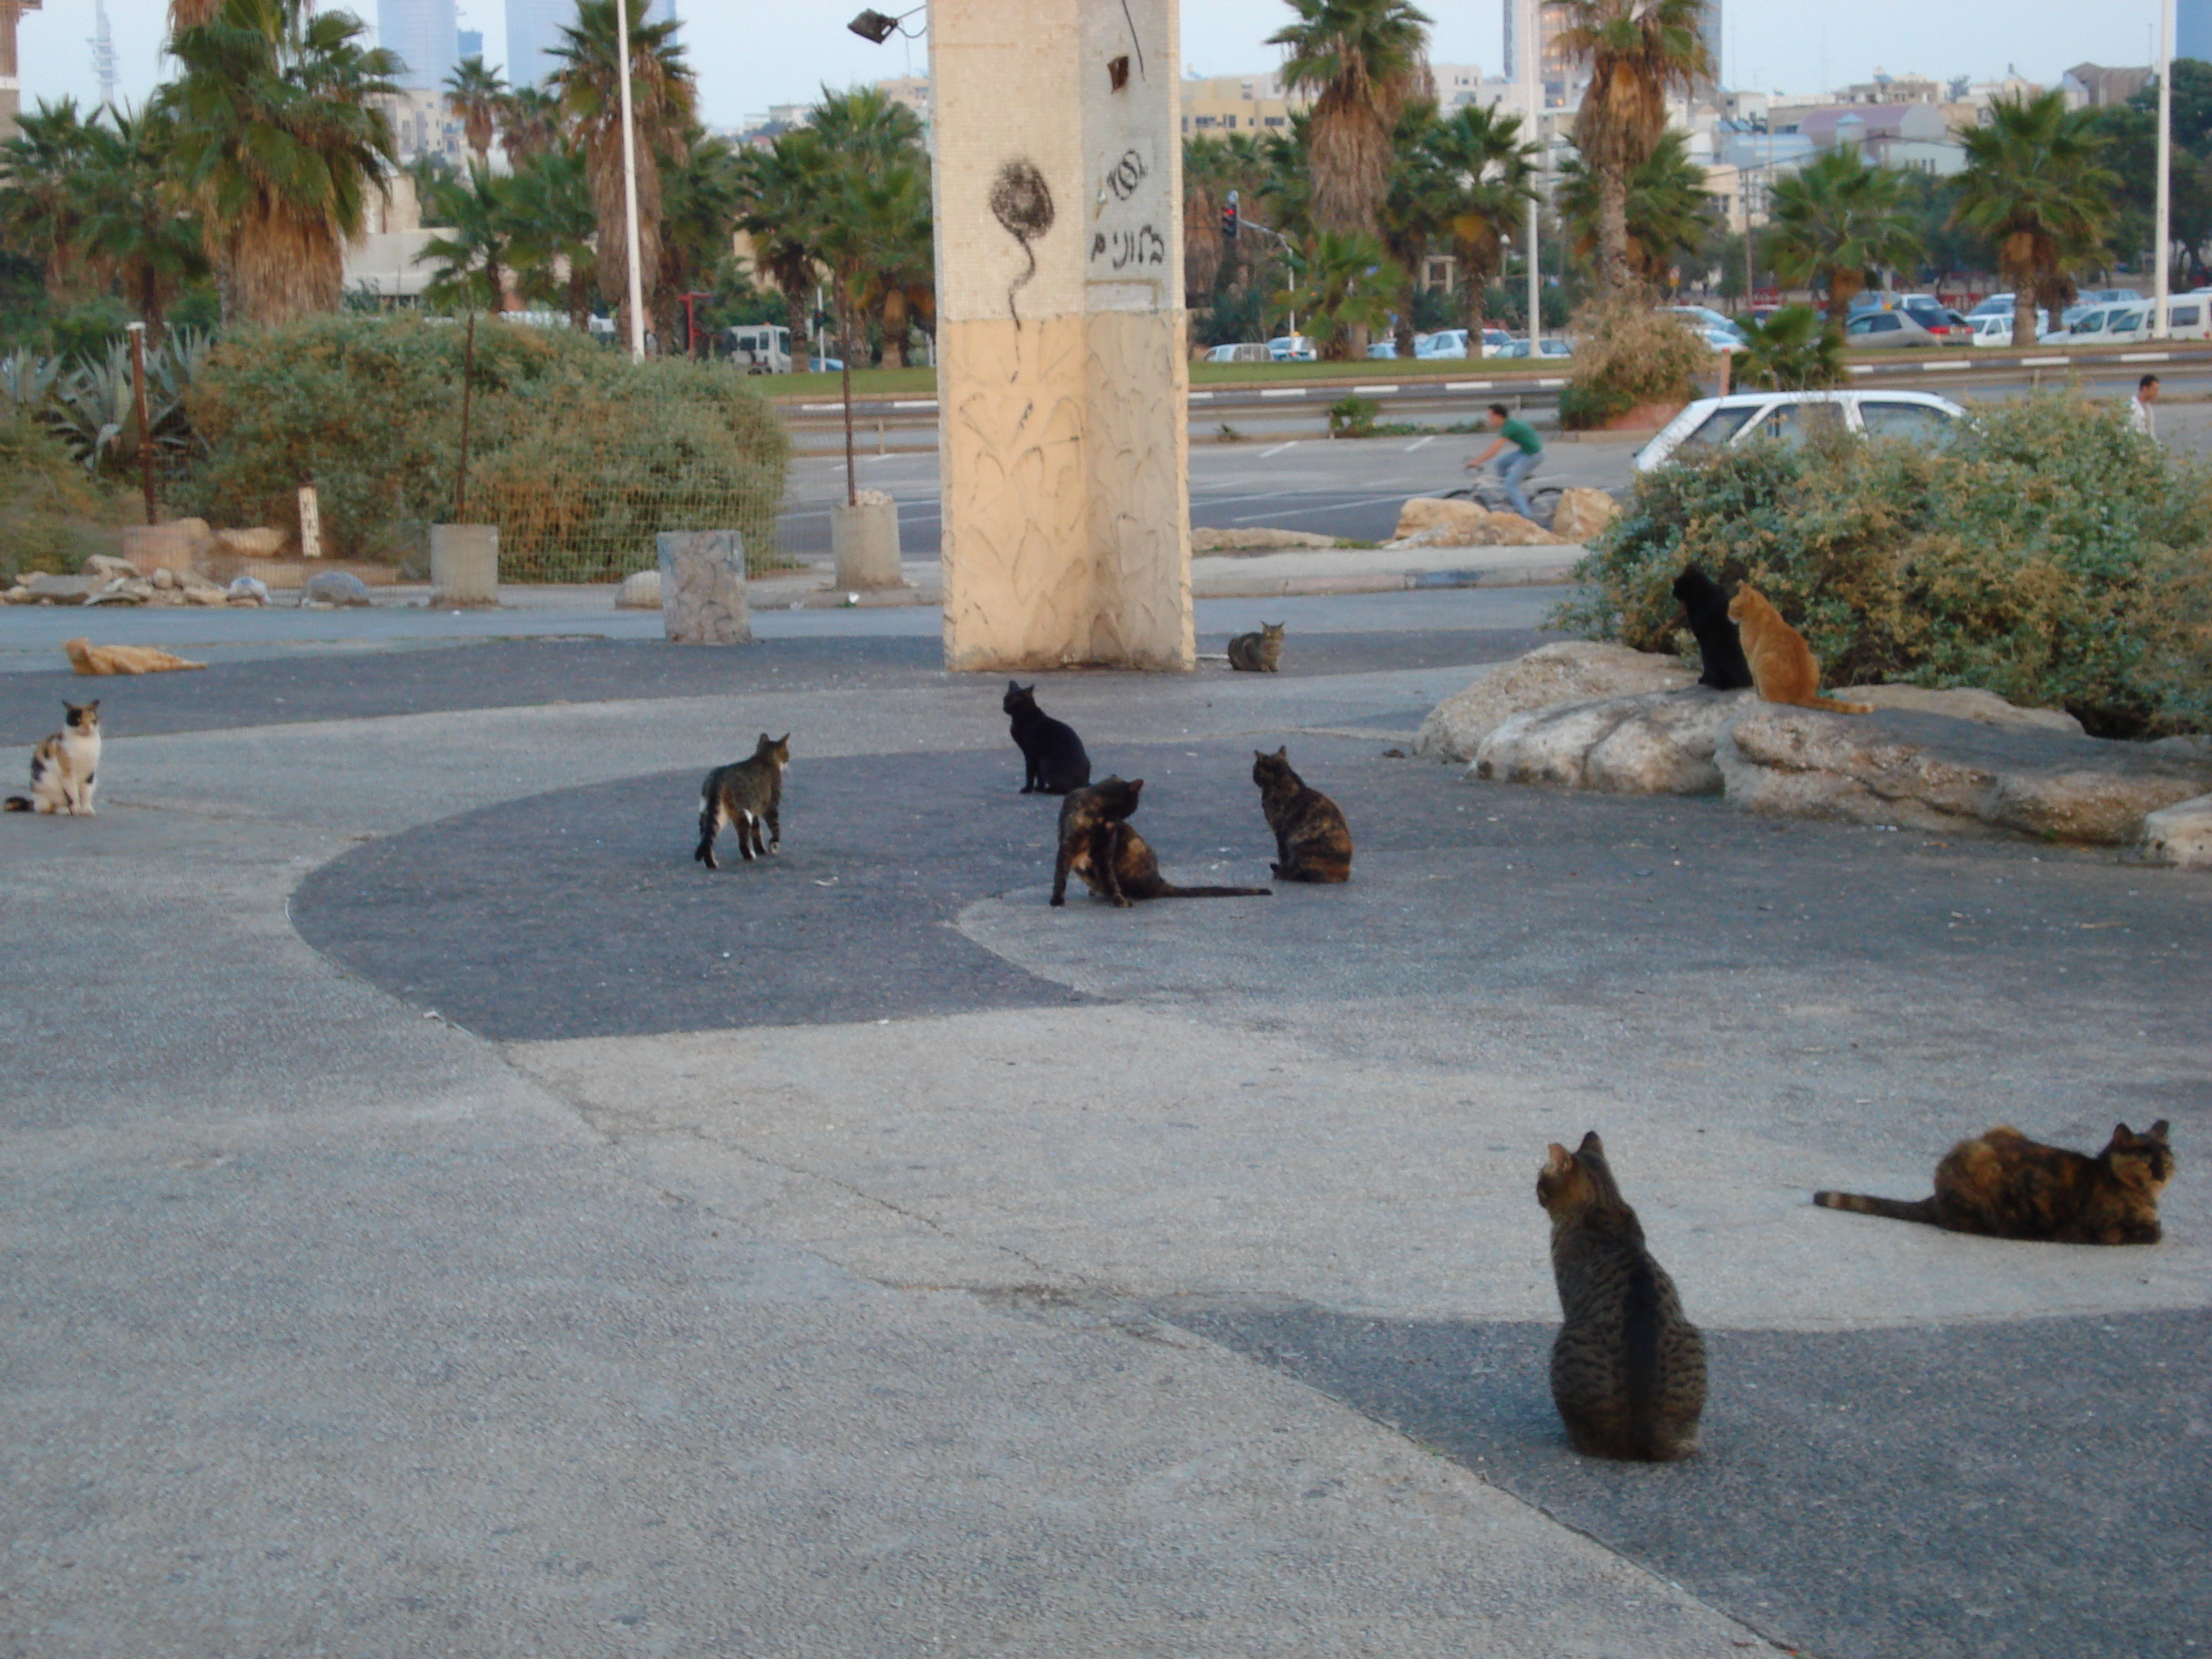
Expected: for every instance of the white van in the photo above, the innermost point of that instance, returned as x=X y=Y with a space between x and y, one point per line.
x=2188 y=317
x=761 y=348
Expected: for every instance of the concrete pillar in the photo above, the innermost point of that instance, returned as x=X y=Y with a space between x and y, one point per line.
x=1061 y=384
x=703 y=586
x=464 y=564
x=865 y=538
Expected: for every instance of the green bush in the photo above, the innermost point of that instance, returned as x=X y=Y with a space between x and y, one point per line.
x=578 y=455
x=2045 y=554
x=53 y=514
x=1626 y=355
x=1352 y=417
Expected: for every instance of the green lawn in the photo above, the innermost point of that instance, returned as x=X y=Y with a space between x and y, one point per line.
x=876 y=383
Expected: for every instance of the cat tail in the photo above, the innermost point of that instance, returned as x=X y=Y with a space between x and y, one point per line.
x=1216 y=892
x=1865 y=1203
x=1835 y=707
x=19 y=804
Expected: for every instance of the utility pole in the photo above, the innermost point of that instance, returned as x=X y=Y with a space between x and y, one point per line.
x=630 y=189
x=1527 y=29
x=2158 y=318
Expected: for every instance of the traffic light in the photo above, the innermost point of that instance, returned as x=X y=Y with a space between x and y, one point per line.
x=1228 y=222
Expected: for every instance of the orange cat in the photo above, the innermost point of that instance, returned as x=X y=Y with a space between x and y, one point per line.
x=1782 y=666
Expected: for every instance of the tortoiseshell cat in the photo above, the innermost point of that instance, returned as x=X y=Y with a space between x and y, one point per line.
x=1628 y=1370
x=64 y=767
x=747 y=794
x=2005 y=1185
x=1098 y=843
x=1312 y=841
x=1258 y=653
x=1054 y=760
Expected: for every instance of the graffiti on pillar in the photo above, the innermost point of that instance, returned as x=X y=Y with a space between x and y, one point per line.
x=1126 y=250
x=1126 y=175
x=1022 y=201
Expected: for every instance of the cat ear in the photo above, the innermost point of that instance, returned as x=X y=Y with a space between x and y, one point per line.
x=1283 y=753
x=782 y=740
x=2122 y=1135
x=2158 y=1132
x=1591 y=1147
x=1558 y=1159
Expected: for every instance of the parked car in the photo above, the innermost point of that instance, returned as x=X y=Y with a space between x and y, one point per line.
x=1722 y=339
x=1246 y=351
x=1549 y=347
x=1995 y=328
x=1716 y=423
x=1997 y=305
x=1886 y=329
x=1939 y=319
x=2187 y=317
x=1382 y=348
x=1495 y=340
x=1444 y=342
x=2111 y=296
x=1703 y=317
x=1291 y=348
x=2083 y=326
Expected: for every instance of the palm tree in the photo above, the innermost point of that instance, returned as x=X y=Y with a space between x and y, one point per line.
x=1342 y=292
x=1795 y=349
x=41 y=194
x=2035 y=187
x=189 y=14
x=1492 y=172
x=784 y=190
x=529 y=122
x=702 y=191
x=1638 y=52
x=1669 y=214
x=551 y=227
x=663 y=101
x=136 y=224
x=476 y=96
x=882 y=173
x=1834 y=220
x=473 y=251
x=281 y=137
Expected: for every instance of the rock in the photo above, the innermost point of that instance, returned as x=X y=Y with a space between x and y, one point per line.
x=1658 y=742
x=1204 y=538
x=61 y=590
x=334 y=588
x=165 y=578
x=1927 y=772
x=2180 y=834
x=1426 y=513
x=1441 y=523
x=703 y=586
x=640 y=591
x=1577 y=670
x=251 y=543
x=122 y=591
x=1582 y=514
x=107 y=568
x=19 y=594
x=209 y=595
x=180 y=543
x=1962 y=703
x=89 y=659
x=246 y=590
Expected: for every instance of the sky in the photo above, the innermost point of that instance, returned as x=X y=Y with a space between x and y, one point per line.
x=750 y=55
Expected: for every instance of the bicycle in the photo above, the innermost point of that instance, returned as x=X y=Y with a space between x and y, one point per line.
x=1486 y=491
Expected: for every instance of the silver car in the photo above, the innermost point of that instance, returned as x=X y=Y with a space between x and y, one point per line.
x=1886 y=328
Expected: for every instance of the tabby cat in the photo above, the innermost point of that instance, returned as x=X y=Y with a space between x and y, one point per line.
x=64 y=767
x=1312 y=841
x=1782 y=666
x=1706 y=608
x=747 y=794
x=2005 y=1186
x=1053 y=757
x=1628 y=1370
x=1098 y=843
x=1258 y=653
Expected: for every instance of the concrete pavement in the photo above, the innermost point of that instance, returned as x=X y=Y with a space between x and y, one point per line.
x=440 y=1217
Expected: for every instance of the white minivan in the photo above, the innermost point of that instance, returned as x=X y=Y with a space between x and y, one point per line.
x=2188 y=317
x=761 y=348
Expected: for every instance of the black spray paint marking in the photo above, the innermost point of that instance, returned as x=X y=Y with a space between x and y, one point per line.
x=1022 y=201
x=1134 y=41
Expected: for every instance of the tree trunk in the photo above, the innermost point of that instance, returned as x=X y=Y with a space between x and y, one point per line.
x=1843 y=283
x=845 y=378
x=802 y=349
x=894 y=322
x=1614 y=274
x=579 y=299
x=2023 y=315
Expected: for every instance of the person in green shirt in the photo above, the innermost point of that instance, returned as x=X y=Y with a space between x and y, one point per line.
x=1528 y=449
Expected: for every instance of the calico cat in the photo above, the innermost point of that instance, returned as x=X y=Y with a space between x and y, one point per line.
x=1053 y=757
x=64 y=767
x=1705 y=607
x=1782 y=666
x=1628 y=1370
x=747 y=794
x=1098 y=843
x=1312 y=841
x=1258 y=653
x=2005 y=1186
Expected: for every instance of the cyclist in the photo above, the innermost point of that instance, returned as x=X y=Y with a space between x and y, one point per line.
x=1527 y=448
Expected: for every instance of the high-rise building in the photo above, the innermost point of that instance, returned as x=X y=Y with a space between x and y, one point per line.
x=2193 y=29
x=426 y=36
x=471 y=45
x=11 y=95
x=533 y=29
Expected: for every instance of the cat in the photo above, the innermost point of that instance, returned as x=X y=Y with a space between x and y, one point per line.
x=1705 y=607
x=1312 y=841
x=64 y=767
x=1628 y=1370
x=1783 y=665
x=747 y=794
x=1053 y=758
x=1098 y=843
x=1258 y=653
x=2005 y=1186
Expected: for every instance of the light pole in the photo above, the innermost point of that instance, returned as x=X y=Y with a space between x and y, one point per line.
x=2158 y=318
x=629 y=189
x=1532 y=99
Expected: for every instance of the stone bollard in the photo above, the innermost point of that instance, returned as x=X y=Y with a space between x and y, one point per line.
x=703 y=586
x=865 y=536
x=464 y=564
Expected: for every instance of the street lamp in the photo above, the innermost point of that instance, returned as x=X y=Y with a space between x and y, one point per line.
x=875 y=29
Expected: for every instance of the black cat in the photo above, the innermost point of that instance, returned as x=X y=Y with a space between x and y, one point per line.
x=1053 y=757
x=1707 y=608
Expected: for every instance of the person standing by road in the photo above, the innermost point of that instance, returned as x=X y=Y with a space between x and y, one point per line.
x=1528 y=450
x=2140 y=417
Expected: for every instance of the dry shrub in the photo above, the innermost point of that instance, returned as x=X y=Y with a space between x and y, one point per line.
x=53 y=514
x=1625 y=356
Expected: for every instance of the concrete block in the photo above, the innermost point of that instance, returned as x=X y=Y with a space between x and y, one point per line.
x=465 y=564
x=703 y=586
x=865 y=536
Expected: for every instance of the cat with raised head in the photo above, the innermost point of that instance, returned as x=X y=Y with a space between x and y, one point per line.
x=1312 y=841
x=1782 y=666
x=1053 y=761
x=2003 y=1185
x=746 y=794
x=64 y=767
x=1098 y=843
x=1258 y=653
x=1706 y=608
x=1628 y=1370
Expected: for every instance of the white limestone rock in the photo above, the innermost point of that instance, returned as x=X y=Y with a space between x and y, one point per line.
x=640 y=591
x=1577 y=670
x=1583 y=514
x=2180 y=835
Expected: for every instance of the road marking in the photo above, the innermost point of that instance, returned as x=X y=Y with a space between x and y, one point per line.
x=1419 y=443
x=1201 y=397
x=1470 y=385
x=1364 y=390
x=1278 y=449
x=1936 y=368
x=1865 y=368
x=1309 y=512
x=916 y=402
x=1283 y=392
x=2146 y=356
x=819 y=408
x=1545 y=383
x=2045 y=362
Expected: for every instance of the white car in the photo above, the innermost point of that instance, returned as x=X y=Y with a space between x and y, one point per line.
x=1994 y=328
x=1704 y=320
x=1291 y=348
x=1495 y=340
x=1248 y=351
x=1444 y=342
x=1744 y=418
